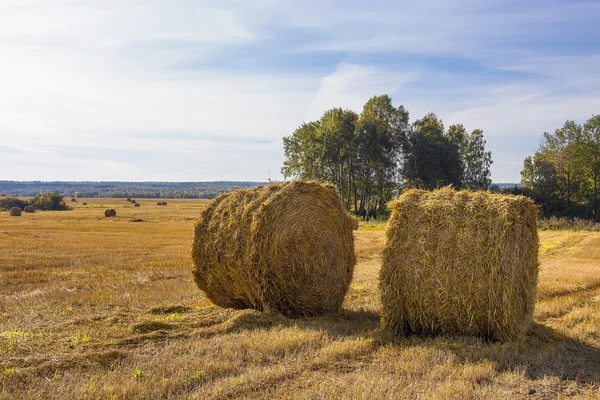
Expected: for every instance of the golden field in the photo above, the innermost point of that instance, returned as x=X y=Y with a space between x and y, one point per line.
x=94 y=307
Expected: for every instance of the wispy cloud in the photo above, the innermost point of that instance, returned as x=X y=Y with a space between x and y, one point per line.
x=102 y=89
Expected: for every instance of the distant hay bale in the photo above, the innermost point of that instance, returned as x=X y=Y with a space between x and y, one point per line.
x=285 y=247
x=15 y=212
x=85 y=204
x=73 y=199
x=111 y=212
x=136 y=205
x=460 y=262
x=29 y=209
x=136 y=220
x=133 y=201
x=129 y=199
x=161 y=203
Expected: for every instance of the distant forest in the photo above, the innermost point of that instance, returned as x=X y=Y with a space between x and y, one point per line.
x=183 y=190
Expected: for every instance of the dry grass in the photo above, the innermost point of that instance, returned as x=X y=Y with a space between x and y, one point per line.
x=285 y=247
x=101 y=308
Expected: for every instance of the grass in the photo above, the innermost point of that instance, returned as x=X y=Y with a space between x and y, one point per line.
x=102 y=308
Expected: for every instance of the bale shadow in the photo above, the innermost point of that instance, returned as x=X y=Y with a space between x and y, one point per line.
x=544 y=352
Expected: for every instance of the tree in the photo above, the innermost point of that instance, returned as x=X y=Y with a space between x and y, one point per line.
x=9 y=202
x=303 y=152
x=564 y=174
x=591 y=153
x=431 y=157
x=381 y=130
x=475 y=160
x=49 y=202
x=562 y=150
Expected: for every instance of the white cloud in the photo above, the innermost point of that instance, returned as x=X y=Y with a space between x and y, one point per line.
x=351 y=85
x=111 y=78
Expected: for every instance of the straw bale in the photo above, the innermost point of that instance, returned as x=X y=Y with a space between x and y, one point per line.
x=111 y=212
x=29 y=209
x=460 y=262
x=284 y=247
x=15 y=212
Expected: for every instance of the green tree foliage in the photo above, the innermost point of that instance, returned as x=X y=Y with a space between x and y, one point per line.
x=49 y=202
x=475 y=160
x=370 y=156
x=564 y=174
x=9 y=202
x=431 y=157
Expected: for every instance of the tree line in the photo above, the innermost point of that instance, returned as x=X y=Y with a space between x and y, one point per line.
x=187 y=190
x=564 y=174
x=374 y=155
x=41 y=202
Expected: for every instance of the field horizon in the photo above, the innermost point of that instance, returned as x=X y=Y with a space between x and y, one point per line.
x=95 y=307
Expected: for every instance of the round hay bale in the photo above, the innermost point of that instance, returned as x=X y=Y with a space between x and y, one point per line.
x=85 y=204
x=133 y=201
x=460 y=262
x=286 y=247
x=73 y=199
x=136 y=205
x=15 y=212
x=136 y=220
x=129 y=199
x=29 y=209
x=111 y=212
x=164 y=203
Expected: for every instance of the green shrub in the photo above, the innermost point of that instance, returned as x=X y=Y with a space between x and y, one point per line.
x=49 y=202
x=10 y=202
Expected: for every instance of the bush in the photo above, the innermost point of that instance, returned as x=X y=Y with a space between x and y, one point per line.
x=10 y=202
x=49 y=202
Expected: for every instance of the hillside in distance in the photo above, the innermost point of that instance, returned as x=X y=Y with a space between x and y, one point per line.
x=189 y=190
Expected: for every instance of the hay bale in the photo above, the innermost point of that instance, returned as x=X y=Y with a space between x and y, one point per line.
x=111 y=212
x=460 y=262
x=164 y=203
x=129 y=199
x=85 y=204
x=285 y=247
x=15 y=212
x=73 y=199
x=132 y=201
x=136 y=205
x=136 y=220
x=29 y=209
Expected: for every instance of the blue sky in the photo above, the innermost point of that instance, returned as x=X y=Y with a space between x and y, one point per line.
x=205 y=90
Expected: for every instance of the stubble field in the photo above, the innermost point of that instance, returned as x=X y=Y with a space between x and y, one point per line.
x=94 y=307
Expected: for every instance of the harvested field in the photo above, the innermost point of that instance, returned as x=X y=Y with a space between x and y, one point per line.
x=94 y=307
